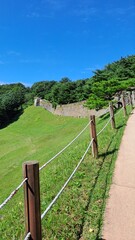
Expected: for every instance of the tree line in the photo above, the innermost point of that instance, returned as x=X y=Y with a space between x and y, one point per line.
x=113 y=79
x=97 y=90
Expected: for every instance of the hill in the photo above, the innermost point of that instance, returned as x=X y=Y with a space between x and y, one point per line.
x=39 y=135
x=32 y=137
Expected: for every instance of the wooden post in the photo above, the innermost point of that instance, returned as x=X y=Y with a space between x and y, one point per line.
x=32 y=200
x=133 y=95
x=130 y=100
x=124 y=105
x=94 y=136
x=112 y=115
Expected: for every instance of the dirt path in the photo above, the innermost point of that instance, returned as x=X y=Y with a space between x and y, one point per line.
x=119 y=222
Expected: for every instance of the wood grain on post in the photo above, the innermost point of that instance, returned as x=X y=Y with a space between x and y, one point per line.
x=112 y=115
x=32 y=200
x=124 y=105
x=94 y=136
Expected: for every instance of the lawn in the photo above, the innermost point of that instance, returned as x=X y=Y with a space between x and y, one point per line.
x=39 y=135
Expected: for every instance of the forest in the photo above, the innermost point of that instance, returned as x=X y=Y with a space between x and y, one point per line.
x=97 y=90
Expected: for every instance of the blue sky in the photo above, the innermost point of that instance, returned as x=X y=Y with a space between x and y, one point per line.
x=51 y=39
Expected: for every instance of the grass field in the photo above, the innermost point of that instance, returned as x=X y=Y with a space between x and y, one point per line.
x=39 y=135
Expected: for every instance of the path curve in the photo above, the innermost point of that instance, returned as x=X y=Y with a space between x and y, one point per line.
x=119 y=218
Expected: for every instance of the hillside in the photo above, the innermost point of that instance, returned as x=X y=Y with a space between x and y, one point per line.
x=35 y=135
x=39 y=135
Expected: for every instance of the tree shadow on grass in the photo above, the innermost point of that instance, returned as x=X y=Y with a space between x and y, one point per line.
x=100 y=238
x=13 y=119
x=105 y=116
x=104 y=155
x=120 y=126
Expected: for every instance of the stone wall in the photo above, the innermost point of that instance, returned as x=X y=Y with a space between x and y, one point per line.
x=72 y=109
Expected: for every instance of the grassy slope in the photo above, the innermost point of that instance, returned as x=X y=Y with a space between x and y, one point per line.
x=39 y=135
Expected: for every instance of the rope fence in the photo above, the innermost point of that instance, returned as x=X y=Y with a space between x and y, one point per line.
x=105 y=112
x=13 y=194
x=104 y=127
x=64 y=186
x=21 y=184
x=118 y=111
x=64 y=148
x=31 y=183
x=27 y=236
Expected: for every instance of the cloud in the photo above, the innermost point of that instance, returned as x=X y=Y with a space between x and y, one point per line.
x=13 y=53
x=33 y=15
x=26 y=84
x=45 y=8
x=121 y=11
x=85 y=12
x=55 y=4
x=3 y=82
x=1 y=62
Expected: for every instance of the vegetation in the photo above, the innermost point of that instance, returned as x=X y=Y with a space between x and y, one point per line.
x=63 y=92
x=40 y=135
x=114 y=78
x=98 y=90
x=12 y=97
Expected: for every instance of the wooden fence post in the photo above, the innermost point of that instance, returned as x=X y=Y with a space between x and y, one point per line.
x=124 y=105
x=32 y=200
x=112 y=115
x=130 y=100
x=94 y=136
x=133 y=95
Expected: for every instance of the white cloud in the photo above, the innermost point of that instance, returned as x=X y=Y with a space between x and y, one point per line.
x=85 y=12
x=3 y=82
x=55 y=4
x=13 y=53
x=45 y=8
x=33 y=15
x=121 y=11
x=26 y=84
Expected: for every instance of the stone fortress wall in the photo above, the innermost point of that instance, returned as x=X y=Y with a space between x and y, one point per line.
x=72 y=109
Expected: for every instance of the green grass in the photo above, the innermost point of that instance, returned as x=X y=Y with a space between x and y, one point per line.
x=39 y=135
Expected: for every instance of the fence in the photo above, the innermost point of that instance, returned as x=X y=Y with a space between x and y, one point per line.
x=31 y=170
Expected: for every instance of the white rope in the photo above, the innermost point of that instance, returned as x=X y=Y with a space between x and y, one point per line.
x=13 y=193
x=64 y=148
x=118 y=112
x=104 y=127
x=64 y=186
x=27 y=236
x=106 y=111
